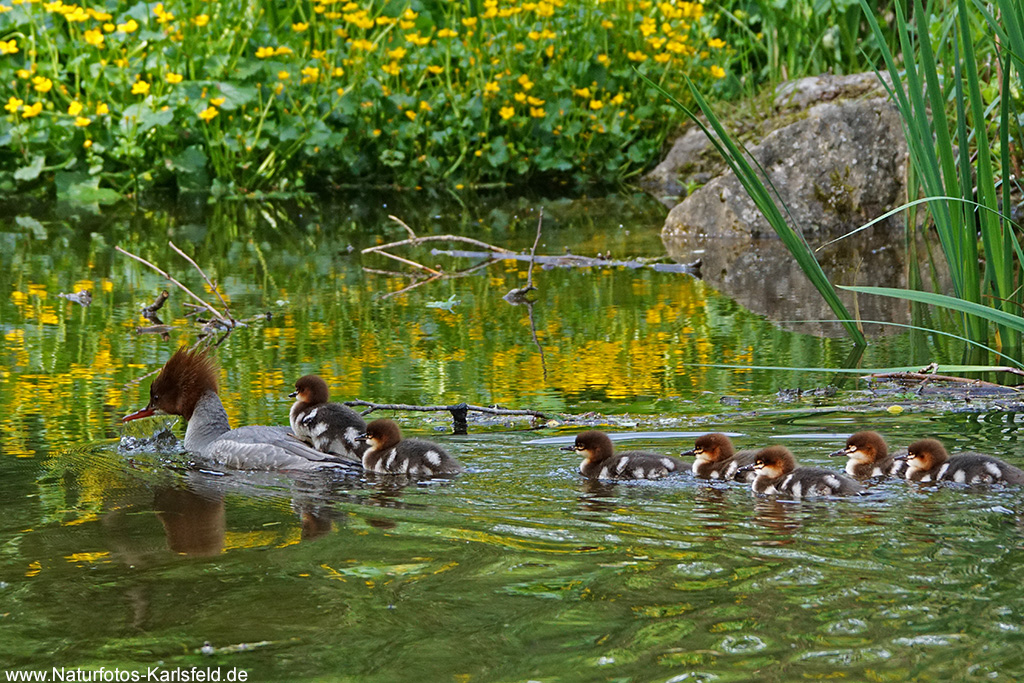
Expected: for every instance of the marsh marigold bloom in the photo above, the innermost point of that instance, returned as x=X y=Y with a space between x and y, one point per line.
x=8 y=47
x=42 y=84
x=208 y=114
x=717 y=71
x=264 y=52
x=283 y=75
x=13 y=104
x=82 y=121
x=217 y=101
x=174 y=78
x=300 y=26
x=506 y=113
x=94 y=37
x=130 y=26
x=201 y=20
x=282 y=50
x=75 y=108
x=102 y=109
x=32 y=110
x=140 y=88
x=537 y=112
x=716 y=43
x=411 y=114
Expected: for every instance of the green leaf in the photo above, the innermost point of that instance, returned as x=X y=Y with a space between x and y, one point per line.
x=89 y=192
x=32 y=171
x=1013 y=322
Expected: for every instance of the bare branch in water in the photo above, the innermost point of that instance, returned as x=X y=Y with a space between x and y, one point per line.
x=407 y=262
x=404 y=225
x=210 y=284
x=926 y=377
x=433 y=409
x=209 y=307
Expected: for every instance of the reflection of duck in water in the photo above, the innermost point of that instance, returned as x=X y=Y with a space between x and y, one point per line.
x=601 y=461
x=187 y=386
x=869 y=457
x=389 y=453
x=329 y=427
x=194 y=523
x=927 y=460
x=717 y=459
x=777 y=473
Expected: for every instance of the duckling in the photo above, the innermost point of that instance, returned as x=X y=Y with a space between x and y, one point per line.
x=777 y=473
x=601 y=462
x=389 y=453
x=869 y=457
x=329 y=427
x=716 y=459
x=927 y=460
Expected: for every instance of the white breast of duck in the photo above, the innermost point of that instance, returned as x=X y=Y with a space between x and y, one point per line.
x=777 y=473
x=928 y=460
x=389 y=453
x=868 y=456
x=328 y=427
x=601 y=462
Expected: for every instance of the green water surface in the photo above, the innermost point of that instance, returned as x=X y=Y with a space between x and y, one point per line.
x=121 y=556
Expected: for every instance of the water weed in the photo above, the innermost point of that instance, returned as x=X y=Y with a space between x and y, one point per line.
x=258 y=96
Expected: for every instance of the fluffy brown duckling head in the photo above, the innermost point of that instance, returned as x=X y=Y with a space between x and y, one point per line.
x=863 y=447
x=774 y=462
x=595 y=446
x=926 y=454
x=382 y=434
x=311 y=389
x=712 y=448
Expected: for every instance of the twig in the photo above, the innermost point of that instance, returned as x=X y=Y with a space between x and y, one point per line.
x=149 y=312
x=432 y=409
x=436 y=238
x=212 y=286
x=457 y=274
x=404 y=225
x=928 y=377
x=166 y=275
x=414 y=264
x=533 y=251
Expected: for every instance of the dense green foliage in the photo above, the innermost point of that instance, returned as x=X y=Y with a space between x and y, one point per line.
x=259 y=96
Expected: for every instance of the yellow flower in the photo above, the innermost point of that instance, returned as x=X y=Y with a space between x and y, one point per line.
x=319 y=54
x=300 y=26
x=129 y=26
x=425 y=106
x=392 y=68
x=87 y=144
x=606 y=24
x=109 y=28
x=32 y=110
x=525 y=82
x=446 y=33
x=618 y=99
x=537 y=112
x=217 y=101
x=338 y=72
x=75 y=108
x=603 y=60
x=13 y=104
x=582 y=92
x=506 y=112
x=264 y=52
x=411 y=114
x=77 y=15
x=596 y=104
x=42 y=84
x=282 y=50
x=8 y=47
x=362 y=44
x=82 y=121
x=99 y=15
x=201 y=20
x=550 y=51
x=409 y=15
x=637 y=56
x=397 y=53
x=520 y=97
x=716 y=43
x=23 y=73
x=662 y=58
x=436 y=70
x=174 y=78
x=283 y=75
x=376 y=132
x=162 y=16
x=492 y=88
x=717 y=71
x=94 y=37
x=469 y=22
x=208 y=114
x=140 y=88
x=102 y=109
x=310 y=74
x=534 y=101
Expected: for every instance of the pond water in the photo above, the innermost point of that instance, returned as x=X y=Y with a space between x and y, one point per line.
x=516 y=570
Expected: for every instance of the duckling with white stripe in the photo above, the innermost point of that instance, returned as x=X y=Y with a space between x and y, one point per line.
x=868 y=456
x=777 y=473
x=601 y=461
x=928 y=460
x=328 y=427
x=389 y=453
x=715 y=458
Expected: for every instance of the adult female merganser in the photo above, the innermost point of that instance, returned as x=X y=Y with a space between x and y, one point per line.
x=601 y=462
x=716 y=459
x=927 y=460
x=187 y=386
x=389 y=453
x=329 y=427
x=869 y=457
x=777 y=473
